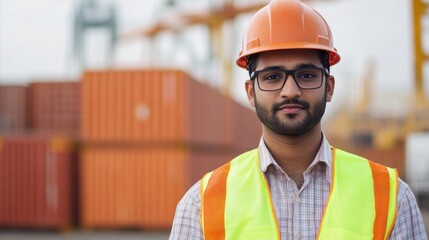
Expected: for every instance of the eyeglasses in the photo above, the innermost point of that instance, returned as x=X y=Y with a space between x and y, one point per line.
x=274 y=78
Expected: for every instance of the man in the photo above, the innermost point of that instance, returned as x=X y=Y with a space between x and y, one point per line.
x=295 y=185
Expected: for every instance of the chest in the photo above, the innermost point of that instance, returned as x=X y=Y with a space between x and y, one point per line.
x=299 y=211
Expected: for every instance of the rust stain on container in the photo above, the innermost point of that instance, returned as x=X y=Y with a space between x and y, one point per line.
x=55 y=106
x=13 y=108
x=36 y=183
x=139 y=187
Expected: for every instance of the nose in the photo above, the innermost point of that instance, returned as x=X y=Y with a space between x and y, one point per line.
x=290 y=89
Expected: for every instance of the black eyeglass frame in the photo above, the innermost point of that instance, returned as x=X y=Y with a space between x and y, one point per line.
x=292 y=72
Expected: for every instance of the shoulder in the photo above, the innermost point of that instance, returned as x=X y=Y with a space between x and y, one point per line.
x=406 y=198
x=192 y=197
x=404 y=191
x=244 y=157
x=241 y=160
x=409 y=221
x=186 y=224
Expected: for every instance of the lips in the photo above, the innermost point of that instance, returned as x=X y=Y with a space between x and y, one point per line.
x=291 y=108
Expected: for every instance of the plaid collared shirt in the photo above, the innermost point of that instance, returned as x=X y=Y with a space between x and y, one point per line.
x=299 y=211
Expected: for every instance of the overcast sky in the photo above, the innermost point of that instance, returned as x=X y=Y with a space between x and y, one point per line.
x=36 y=40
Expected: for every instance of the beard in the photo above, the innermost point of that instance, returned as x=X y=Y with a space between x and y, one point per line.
x=291 y=126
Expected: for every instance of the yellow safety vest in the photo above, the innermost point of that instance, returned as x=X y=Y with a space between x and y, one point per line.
x=236 y=201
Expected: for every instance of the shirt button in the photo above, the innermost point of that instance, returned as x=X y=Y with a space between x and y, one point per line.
x=299 y=235
x=297 y=199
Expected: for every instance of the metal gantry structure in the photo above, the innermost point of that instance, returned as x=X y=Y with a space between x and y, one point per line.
x=215 y=19
x=419 y=121
x=89 y=15
x=421 y=57
x=387 y=131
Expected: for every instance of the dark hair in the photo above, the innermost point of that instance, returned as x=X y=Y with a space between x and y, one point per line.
x=253 y=59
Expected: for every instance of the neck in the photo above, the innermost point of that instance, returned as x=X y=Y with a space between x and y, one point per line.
x=294 y=154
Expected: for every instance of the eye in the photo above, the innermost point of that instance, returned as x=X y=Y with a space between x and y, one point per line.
x=308 y=74
x=305 y=75
x=271 y=76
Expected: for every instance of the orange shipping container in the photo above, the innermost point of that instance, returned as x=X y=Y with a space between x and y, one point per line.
x=245 y=127
x=13 y=108
x=139 y=187
x=36 y=182
x=152 y=106
x=55 y=106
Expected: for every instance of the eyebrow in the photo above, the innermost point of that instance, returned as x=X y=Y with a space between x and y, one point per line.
x=301 y=65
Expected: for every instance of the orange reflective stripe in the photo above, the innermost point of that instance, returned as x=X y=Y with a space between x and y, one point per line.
x=364 y=212
x=214 y=199
x=380 y=176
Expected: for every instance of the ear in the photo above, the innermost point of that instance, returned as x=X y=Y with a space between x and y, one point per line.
x=250 y=92
x=330 y=86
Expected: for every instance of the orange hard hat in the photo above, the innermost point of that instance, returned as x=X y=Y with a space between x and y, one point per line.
x=287 y=24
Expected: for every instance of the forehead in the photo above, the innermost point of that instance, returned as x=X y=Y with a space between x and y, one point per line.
x=288 y=58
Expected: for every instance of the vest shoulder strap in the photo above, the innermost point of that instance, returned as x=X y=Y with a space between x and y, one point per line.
x=362 y=201
x=237 y=202
x=361 y=204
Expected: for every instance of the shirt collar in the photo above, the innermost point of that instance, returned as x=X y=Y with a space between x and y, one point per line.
x=323 y=155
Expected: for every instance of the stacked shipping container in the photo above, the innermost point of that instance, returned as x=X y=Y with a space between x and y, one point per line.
x=148 y=106
x=139 y=187
x=13 y=108
x=55 y=107
x=37 y=168
x=37 y=176
x=148 y=136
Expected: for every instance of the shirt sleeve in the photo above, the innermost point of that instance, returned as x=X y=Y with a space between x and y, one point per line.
x=187 y=224
x=409 y=221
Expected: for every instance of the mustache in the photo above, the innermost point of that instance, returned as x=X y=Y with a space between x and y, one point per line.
x=303 y=103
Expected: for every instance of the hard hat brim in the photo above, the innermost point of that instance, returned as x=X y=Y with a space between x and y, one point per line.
x=334 y=57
